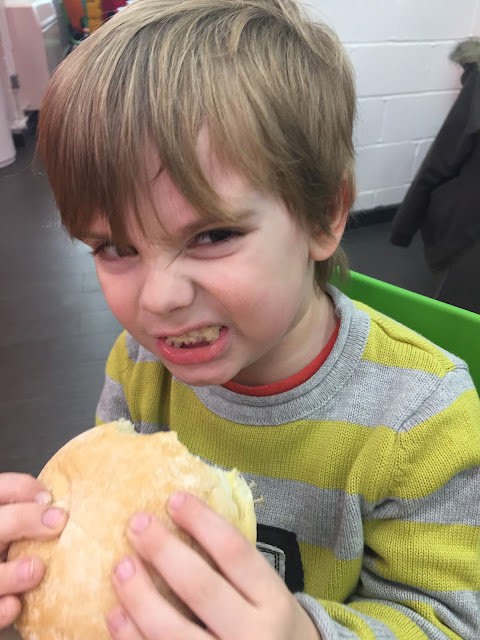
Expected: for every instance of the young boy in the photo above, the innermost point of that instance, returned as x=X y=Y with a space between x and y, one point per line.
x=203 y=149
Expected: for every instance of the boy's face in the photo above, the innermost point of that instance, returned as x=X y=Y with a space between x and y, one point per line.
x=216 y=302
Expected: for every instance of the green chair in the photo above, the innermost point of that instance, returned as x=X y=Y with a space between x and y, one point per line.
x=454 y=329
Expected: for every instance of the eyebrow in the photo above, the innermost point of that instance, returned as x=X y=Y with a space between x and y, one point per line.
x=189 y=229
x=94 y=236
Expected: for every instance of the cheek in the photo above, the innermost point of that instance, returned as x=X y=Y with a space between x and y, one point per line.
x=120 y=296
x=262 y=299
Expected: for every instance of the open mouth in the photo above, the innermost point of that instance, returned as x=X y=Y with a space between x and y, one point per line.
x=201 y=337
x=198 y=346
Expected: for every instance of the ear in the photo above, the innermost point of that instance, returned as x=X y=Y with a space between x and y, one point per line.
x=323 y=245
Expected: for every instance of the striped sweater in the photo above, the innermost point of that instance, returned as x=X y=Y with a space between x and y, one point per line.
x=373 y=464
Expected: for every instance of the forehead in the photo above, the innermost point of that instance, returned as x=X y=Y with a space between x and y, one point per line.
x=166 y=214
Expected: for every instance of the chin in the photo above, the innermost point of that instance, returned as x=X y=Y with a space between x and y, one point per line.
x=202 y=378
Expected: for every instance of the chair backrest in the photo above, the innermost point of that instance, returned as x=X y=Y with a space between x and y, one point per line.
x=454 y=329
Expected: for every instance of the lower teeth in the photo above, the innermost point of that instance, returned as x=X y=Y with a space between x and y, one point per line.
x=194 y=346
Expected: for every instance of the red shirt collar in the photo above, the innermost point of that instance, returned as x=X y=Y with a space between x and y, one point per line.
x=289 y=383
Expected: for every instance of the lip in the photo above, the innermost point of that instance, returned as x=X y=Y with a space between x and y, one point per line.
x=193 y=355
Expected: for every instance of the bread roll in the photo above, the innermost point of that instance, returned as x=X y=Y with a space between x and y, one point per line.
x=102 y=478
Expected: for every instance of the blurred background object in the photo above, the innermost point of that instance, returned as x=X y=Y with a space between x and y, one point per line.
x=443 y=201
x=74 y=13
x=37 y=44
x=7 y=148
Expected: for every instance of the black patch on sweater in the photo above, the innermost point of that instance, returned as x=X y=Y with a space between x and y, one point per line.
x=280 y=548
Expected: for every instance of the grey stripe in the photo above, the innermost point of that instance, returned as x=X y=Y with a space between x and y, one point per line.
x=395 y=398
x=451 y=504
x=332 y=519
x=380 y=629
x=458 y=362
x=324 y=518
x=453 y=384
x=331 y=630
x=149 y=427
x=328 y=628
x=137 y=353
x=465 y=625
x=457 y=610
x=113 y=403
x=381 y=395
x=429 y=629
x=376 y=395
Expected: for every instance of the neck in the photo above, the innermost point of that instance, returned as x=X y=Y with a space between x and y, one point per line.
x=302 y=343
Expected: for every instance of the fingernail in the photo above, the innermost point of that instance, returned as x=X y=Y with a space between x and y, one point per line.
x=176 y=500
x=53 y=517
x=125 y=569
x=25 y=569
x=43 y=497
x=117 y=619
x=139 y=522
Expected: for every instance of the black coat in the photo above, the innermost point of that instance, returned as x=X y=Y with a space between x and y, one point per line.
x=444 y=197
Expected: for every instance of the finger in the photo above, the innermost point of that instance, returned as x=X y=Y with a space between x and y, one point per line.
x=121 y=626
x=236 y=557
x=154 y=616
x=225 y=612
x=20 y=487
x=10 y=608
x=33 y=521
x=20 y=575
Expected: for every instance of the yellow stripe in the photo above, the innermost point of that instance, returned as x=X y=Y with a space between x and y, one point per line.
x=431 y=615
x=346 y=617
x=407 y=349
x=118 y=360
x=336 y=580
x=148 y=392
x=400 y=624
x=437 y=557
x=327 y=455
x=433 y=462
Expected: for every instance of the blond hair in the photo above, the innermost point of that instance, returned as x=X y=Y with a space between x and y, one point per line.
x=275 y=90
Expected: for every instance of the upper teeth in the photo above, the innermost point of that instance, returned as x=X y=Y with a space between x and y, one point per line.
x=204 y=334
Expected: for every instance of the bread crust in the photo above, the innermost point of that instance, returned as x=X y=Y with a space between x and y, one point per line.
x=102 y=477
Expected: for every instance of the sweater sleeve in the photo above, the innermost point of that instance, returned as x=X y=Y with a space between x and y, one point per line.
x=420 y=576
x=113 y=401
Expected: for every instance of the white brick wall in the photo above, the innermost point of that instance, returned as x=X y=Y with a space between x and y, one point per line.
x=406 y=84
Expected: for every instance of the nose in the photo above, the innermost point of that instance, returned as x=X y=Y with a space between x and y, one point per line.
x=165 y=289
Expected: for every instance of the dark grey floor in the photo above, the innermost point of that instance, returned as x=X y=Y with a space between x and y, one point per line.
x=56 y=329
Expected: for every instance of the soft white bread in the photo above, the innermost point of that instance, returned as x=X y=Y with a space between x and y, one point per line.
x=102 y=477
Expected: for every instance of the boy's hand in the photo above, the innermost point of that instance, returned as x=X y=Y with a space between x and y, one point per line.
x=24 y=513
x=244 y=599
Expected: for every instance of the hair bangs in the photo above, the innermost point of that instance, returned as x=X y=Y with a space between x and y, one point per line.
x=274 y=91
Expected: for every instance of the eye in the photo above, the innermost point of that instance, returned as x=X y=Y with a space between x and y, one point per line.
x=215 y=236
x=110 y=251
